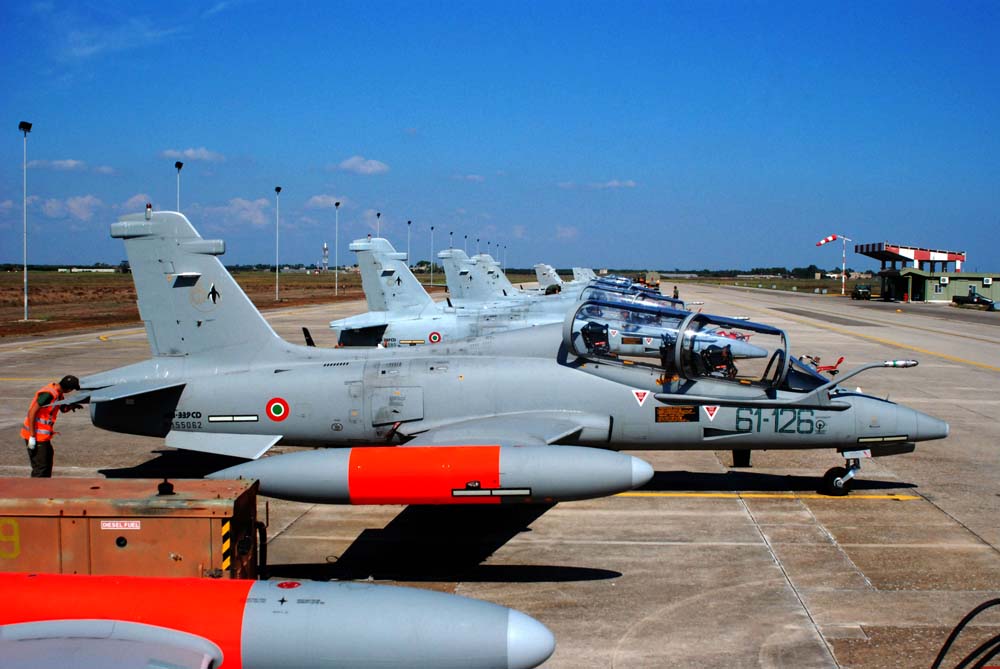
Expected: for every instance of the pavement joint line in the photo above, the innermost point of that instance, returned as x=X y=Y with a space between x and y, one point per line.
x=840 y=547
x=961 y=524
x=788 y=580
x=768 y=495
x=882 y=340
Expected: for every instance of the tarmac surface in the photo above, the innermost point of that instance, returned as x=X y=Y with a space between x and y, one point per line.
x=707 y=566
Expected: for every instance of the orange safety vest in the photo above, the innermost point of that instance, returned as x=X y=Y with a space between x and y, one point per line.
x=45 y=418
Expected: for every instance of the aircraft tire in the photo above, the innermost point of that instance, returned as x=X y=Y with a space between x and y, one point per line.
x=829 y=488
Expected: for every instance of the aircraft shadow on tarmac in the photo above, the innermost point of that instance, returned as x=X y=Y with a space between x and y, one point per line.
x=442 y=543
x=744 y=481
x=175 y=465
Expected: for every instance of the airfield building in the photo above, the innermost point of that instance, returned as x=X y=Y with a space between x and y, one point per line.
x=923 y=275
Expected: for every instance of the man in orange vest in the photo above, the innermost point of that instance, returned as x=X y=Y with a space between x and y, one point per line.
x=39 y=426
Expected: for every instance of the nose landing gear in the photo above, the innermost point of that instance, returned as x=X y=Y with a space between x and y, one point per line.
x=838 y=481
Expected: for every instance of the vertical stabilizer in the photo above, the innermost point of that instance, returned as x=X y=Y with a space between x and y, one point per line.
x=547 y=276
x=388 y=283
x=187 y=299
x=583 y=274
x=498 y=281
x=457 y=273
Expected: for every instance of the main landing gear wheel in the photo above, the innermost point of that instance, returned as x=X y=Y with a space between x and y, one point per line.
x=834 y=483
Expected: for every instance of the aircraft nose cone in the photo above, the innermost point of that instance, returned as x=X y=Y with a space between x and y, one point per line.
x=642 y=472
x=529 y=642
x=929 y=427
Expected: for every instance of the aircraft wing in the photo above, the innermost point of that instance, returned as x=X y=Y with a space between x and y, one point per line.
x=249 y=446
x=97 y=644
x=533 y=428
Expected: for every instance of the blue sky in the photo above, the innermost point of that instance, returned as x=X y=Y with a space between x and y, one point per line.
x=704 y=134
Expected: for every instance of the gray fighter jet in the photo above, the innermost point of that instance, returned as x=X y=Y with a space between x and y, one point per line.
x=524 y=417
x=401 y=313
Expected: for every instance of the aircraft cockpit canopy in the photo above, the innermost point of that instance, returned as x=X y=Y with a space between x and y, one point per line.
x=680 y=344
x=605 y=292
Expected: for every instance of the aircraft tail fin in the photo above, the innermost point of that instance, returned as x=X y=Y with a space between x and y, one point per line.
x=457 y=272
x=189 y=302
x=547 y=276
x=388 y=283
x=497 y=280
x=583 y=274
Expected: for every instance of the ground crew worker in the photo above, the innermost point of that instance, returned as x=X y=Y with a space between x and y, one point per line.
x=39 y=426
x=677 y=293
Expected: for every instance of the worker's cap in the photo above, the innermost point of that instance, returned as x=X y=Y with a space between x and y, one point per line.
x=70 y=382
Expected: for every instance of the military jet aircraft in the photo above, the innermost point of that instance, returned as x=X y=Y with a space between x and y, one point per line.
x=524 y=417
x=401 y=313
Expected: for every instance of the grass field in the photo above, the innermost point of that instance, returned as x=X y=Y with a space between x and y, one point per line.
x=59 y=301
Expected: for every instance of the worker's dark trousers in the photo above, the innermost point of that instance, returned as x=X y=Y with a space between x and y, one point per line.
x=41 y=459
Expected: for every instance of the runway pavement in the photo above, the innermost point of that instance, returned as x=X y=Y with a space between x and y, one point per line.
x=708 y=566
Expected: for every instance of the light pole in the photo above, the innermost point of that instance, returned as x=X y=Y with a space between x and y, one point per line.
x=25 y=127
x=467 y=245
x=477 y=245
x=408 y=224
x=178 y=165
x=432 y=255
x=336 y=249
x=451 y=239
x=277 y=219
x=378 y=223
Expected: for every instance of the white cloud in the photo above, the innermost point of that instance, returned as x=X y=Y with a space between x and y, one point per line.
x=239 y=210
x=66 y=165
x=135 y=203
x=76 y=40
x=474 y=178
x=566 y=232
x=83 y=207
x=325 y=201
x=53 y=208
x=614 y=183
x=520 y=232
x=201 y=153
x=362 y=165
x=566 y=185
x=104 y=169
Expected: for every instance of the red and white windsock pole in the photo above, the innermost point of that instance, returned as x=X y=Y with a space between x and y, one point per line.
x=843 y=258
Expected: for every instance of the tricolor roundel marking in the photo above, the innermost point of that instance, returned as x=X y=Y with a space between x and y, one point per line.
x=434 y=337
x=277 y=409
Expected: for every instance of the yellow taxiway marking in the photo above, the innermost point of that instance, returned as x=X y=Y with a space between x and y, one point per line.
x=882 y=340
x=21 y=378
x=765 y=495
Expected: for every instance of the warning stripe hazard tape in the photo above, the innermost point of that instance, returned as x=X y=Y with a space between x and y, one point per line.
x=227 y=551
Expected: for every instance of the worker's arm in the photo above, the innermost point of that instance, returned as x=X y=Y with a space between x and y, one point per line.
x=32 y=411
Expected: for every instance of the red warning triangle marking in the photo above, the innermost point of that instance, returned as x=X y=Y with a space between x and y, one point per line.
x=710 y=411
x=640 y=396
x=649 y=341
x=614 y=333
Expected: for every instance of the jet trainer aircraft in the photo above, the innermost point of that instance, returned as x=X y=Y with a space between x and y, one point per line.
x=514 y=417
x=401 y=313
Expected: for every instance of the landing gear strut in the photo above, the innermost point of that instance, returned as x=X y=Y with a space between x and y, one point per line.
x=838 y=481
x=741 y=457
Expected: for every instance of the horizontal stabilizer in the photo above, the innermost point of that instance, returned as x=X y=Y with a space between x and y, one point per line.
x=249 y=446
x=128 y=389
